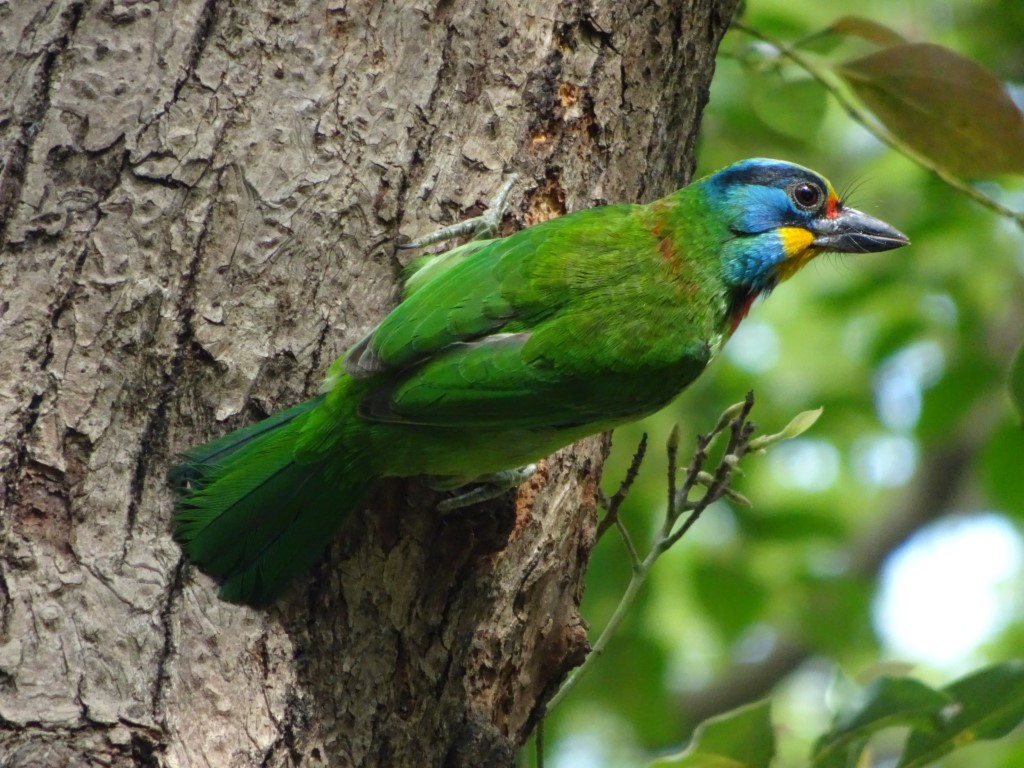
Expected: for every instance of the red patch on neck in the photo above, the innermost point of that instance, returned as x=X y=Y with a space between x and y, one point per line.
x=742 y=310
x=669 y=257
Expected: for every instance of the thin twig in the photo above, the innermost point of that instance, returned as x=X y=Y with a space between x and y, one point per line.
x=636 y=580
x=672 y=450
x=613 y=504
x=682 y=501
x=627 y=541
x=740 y=432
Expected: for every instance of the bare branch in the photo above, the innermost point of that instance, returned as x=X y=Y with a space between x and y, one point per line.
x=613 y=504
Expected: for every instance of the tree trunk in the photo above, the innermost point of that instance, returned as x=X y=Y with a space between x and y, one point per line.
x=199 y=205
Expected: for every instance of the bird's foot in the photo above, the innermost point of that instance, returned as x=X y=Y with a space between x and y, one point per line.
x=484 y=225
x=486 y=487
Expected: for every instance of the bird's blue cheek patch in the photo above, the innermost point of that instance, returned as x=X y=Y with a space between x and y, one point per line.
x=760 y=209
x=752 y=260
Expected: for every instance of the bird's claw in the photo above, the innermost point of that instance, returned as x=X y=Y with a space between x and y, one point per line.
x=484 y=225
x=486 y=487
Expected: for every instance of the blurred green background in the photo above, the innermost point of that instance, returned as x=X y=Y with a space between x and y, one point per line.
x=888 y=537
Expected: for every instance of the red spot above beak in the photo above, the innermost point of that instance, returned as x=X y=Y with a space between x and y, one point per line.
x=832 y=207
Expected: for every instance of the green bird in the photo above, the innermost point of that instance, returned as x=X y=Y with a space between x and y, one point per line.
x=503 y=351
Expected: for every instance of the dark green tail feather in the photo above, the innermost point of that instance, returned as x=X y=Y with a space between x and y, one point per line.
x=252 y=516
x=198 y=463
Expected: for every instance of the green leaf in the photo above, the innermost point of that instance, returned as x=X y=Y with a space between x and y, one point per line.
x=988 y=705
x=701 y=760
x=945 y=106
x=801 y=423
x=866 y=29
x=946 y=405
x=887 y=702
x=796 y=427
x=729 y=594
x=1016 y=382
x=742 y=738
x=832 y=611
x=999 y=469
x=790 y=525
x=805 y=105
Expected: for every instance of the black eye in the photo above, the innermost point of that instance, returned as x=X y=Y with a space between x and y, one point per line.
x=807 y=195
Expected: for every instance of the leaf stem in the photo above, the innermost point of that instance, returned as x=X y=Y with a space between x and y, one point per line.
x=627 y=541
x=636 y=580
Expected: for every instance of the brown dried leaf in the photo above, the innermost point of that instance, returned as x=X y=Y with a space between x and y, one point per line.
x=866 y=29
x=945 y=106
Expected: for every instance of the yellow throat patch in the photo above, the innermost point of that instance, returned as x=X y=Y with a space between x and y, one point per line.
x=797 y=242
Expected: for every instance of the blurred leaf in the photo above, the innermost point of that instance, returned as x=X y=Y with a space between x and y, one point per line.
x=897 y=333
x=796 y=427
x=729 y=594
x=887 y=668
x=701 y=760
x=887 y=702
x=1000 y=469
x=1016 y=382
x=635 y=687
x=866 y=29
x=962 y=385
x=833 y=611
x=790 y=525
x=742 y=738
x=801 y=423
x=989 y=704
x=946 y=106
x=793 y=108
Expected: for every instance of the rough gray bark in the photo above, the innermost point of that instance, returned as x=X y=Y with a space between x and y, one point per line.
x=199 y=203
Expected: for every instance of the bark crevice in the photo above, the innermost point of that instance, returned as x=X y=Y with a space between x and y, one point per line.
x=33 y=107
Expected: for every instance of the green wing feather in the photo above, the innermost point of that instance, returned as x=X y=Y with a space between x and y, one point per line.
x=424 y=269
x=523 y=277
x=514 y=380
x=516 y=333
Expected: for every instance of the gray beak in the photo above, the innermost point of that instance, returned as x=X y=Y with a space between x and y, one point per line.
x=855 y=232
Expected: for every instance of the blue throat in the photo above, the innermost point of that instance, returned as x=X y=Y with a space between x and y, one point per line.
x=749 y=261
